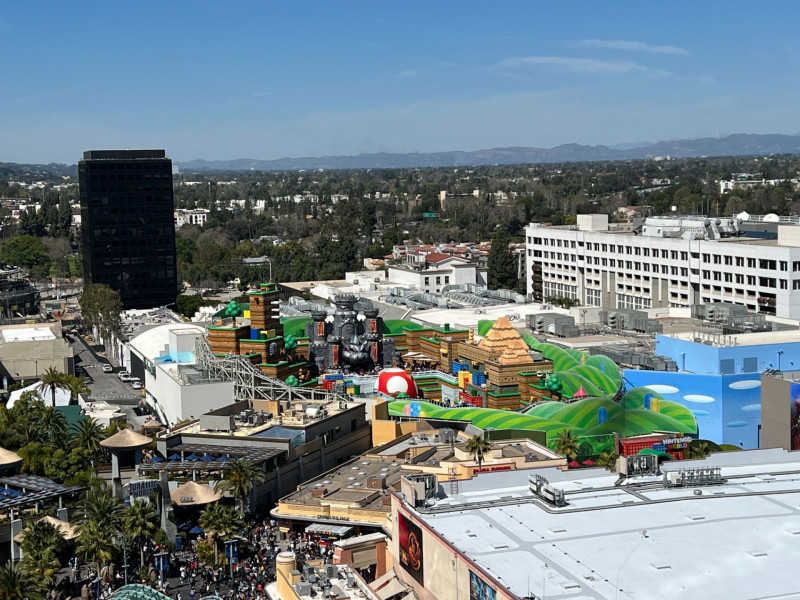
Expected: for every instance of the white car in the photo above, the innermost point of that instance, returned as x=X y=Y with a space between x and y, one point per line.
x=108 y=368
x=137 y=385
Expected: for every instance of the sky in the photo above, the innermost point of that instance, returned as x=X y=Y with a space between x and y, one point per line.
x=260 y=79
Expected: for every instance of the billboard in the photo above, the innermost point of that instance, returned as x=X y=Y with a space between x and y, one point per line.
x=411 y=547
x=795 y=416
x=479 y=589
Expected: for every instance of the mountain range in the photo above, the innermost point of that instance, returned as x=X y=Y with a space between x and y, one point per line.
x=740 y=144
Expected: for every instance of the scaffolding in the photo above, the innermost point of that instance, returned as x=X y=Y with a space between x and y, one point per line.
x=250 y=384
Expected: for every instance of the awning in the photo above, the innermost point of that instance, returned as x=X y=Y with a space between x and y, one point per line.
x=321 y=529
x=392 y=588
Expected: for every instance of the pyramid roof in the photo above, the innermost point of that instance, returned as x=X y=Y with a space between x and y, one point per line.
x=126 y=438
x=503 y=339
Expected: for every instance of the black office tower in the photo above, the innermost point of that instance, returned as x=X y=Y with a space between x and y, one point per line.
x=127 y=225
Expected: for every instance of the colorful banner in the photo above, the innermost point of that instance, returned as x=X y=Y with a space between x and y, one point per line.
x=411 y=556
x=479 y=589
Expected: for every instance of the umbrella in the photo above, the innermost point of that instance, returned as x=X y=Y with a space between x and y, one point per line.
x=185 y=526
x=156 y=459
x=193 y=457
x=224 y=458
x=174 y=456
x=589 y=463
x=196 y=529
x=207 y=457
x=574 y=463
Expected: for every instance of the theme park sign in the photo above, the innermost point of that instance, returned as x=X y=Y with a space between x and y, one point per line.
x=677 y=443
x=141 y=489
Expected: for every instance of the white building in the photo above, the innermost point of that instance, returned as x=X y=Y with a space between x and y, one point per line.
x=672 y=262
x=195 y=216
x=431 y=272
x=175 y=387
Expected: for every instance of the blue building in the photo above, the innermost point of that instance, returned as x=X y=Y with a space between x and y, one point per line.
x=719 y=380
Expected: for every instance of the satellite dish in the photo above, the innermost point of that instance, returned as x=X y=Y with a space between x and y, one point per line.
x=744 y=216
x=771 y=218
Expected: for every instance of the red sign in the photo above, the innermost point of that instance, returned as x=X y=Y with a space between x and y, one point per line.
x=464 y=397
x=492 y=468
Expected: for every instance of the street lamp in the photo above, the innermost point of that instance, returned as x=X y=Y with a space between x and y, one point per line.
x=780 y=353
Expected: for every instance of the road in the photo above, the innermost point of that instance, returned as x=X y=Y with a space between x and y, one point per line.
x=106 y=386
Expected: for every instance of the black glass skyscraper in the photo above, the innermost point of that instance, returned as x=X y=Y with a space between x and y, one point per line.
x=127 y=224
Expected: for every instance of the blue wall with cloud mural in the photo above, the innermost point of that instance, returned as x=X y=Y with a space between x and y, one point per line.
x=727 y=407
x=704 y=359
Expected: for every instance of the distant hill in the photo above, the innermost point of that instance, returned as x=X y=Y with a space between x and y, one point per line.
x=740 y=144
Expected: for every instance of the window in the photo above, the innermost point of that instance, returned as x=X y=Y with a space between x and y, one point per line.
x=784 y=265
x=739 y=261
x=446 y=279
x=751 y=263
x=438 y=281
x=427 y=281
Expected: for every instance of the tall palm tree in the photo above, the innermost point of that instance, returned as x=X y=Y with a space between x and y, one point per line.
x=52 y=379
x=240 y=476
x=54 y=425
x=100 y=507
x=17 y=584
x=566 y=444
x=95 y=543
x=478 y=447
x=139 y=521
x=87 y=434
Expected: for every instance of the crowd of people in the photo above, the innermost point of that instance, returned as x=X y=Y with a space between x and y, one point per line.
x=187 y=577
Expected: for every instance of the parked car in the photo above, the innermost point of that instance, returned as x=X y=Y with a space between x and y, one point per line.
x=107 y=368
x=137 y=385
x=78 y=369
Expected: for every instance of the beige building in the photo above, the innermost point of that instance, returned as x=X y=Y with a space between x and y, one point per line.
x=27 y=351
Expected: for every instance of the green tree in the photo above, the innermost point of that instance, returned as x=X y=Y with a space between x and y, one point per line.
x=27 y=251
x=220 y=522
x=101 y=508
x=52 y=379
x=566 y=444
x=54 y=426
x=608 y=460
x=501 y=266
x=17 y=584
x=41 y=545
x=101 y=308
x=139 y=521
x=95 y=543
x=239 y=477
x=75 y=385
x=478 y=447
x=87 y=434
x=34 y=456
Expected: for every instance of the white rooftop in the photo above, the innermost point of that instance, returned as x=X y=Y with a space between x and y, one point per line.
x=640 y=540
x=28 y=334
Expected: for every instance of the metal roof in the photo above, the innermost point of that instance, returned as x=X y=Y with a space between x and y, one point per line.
x=24 y=490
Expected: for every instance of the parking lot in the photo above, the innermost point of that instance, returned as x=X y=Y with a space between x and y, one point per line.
x=105 y=386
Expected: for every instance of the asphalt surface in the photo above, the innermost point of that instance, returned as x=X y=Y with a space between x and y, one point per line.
x=105 y=386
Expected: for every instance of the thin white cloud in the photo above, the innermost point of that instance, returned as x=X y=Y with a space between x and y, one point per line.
x=576 y=65
x=262 y=94
x=407 y=73
x=631 y=46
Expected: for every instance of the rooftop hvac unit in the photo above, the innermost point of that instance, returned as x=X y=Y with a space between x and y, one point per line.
x=331 y=571
x=303 y=588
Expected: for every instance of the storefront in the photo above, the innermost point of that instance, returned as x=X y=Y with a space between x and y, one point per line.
x=676 y=447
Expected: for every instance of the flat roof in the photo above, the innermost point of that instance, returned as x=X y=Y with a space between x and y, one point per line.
x=28 y=334
x=639 y=540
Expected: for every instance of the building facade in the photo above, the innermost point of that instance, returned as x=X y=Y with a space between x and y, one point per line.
x=128 y=229
x=668 y=262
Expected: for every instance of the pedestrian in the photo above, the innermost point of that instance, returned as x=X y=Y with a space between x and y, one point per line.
x=191 y=593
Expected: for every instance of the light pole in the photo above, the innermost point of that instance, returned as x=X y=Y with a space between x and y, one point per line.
x=161 y=559
x=780 y=353
x=230 y=554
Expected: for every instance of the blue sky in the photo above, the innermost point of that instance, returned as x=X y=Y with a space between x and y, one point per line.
x=223 y=80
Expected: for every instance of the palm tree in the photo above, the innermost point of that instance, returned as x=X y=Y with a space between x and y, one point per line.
x=478 y=447
x=54 y=425
x=95 y=543
x=34 y=455
x=608 y=460
x=87 y=434
x=240 y=476
x=17 y=584
x=100 y=507
x=139 y=521
x=699 y=450
x=75 y=385
x=220 y=522
x=52 y=379
x=567 y=444
x=41 y=545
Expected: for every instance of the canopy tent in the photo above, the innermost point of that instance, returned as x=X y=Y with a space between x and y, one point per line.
x=45 y=395
x=193 y=494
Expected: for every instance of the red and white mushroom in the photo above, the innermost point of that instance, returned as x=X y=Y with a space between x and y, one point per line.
x=394 y=381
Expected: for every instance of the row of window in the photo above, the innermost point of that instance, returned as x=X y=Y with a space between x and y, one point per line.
x=438 y=280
